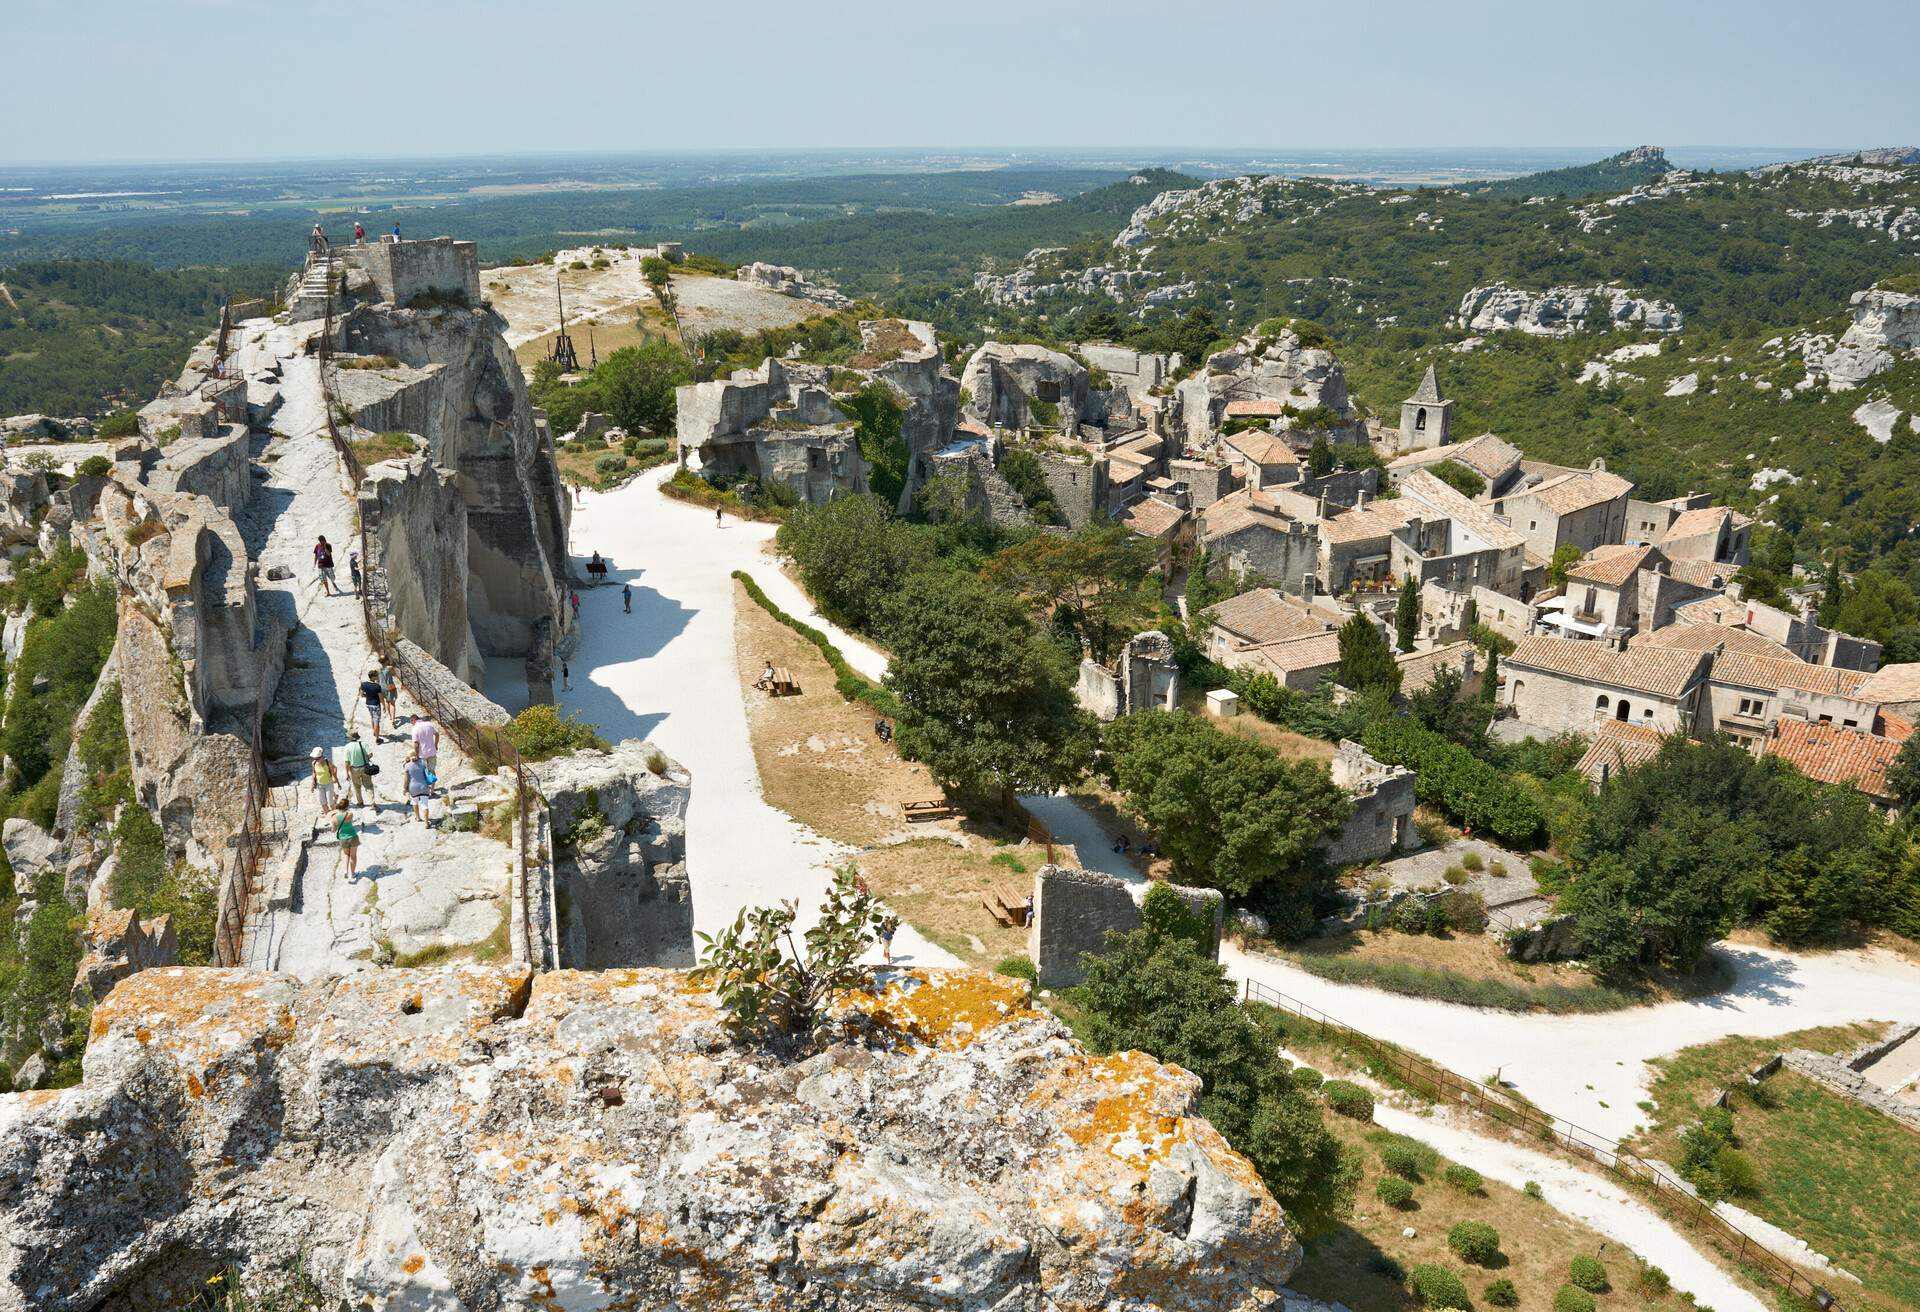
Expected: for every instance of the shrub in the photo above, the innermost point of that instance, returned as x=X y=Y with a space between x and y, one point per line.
x=1401 y=1159
x=1435 y=1286
x=121 y=423
x=1455 y=874
x=1348 y=1099
x=1410 y=916
x=1570 y=1299
x=1017 y=967
x=609 y=464
x=541 y=732
x=1501 y=1293
x=1654 y=1282
x=1531 y=1189
x=1588 y=1274
x=1471 y=791
x=1464 y=1178
x=1736 y=1172
x=1471 y=861
x=1306 y=1077
x=1474 y=1241
x=95 y=467
x=1497 y=869
x=1393 y=1191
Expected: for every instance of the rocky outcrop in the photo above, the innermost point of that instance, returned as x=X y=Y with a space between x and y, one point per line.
x=473 y=1137
x=1017 y=386
x=119 y=944
x=620 y=850
x=789 y=281
x=43 y=428
x=1562 y=311
x=918 y=373
x=418 y=535
x=1276 y=367
x=1886 y=327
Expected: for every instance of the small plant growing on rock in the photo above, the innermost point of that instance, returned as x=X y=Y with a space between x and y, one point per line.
x=778 y=989
x=1471 y=860
x=1588 y=1274
x=1393 y=1191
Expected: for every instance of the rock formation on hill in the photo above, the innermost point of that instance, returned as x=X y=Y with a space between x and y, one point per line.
x=1560 y=311
x=1276 y=368
x=473 y=1137
x=789 y=281
x=1886 y=326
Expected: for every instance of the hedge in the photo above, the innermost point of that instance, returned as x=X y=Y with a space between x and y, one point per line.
x=1348 y=1099
x=1572 y=1299
x=1472 y=792
x=847 y=681
x=1588 y=1274
x=1393 y=1191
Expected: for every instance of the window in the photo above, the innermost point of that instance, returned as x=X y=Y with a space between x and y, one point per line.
x=1753 y=706
x=1047 y=390
x=1420 y=420
x=1851 y=724
x=1826 y=719
x=1532 y=524
x=1602 y=702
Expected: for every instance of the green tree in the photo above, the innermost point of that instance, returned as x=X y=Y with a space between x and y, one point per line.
x=1096 y=578
x=1320 y=459
x=1230 y=813
x=1458 y=477
x=1903 y=776
x=635 y=385
x=1366 y=662
x=1565 y=557
x=878 y=416
x=1024 y=474
x=1876 y=605
x=1406 y=614
x=986 y=699
x=1441 y=707
x=1159 y=994
x=1490 y=680
x=853 y=557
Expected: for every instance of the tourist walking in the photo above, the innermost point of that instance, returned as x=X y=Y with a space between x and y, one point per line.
x=317 y=239
x=426 y=742
x=396 y=232
x=390 y=692
x=348 y=834
x=419 y=787
x=573 y=599
x=716 y=517
x=359 y=234
x=353 y=569
x=323 y=562
x=566 y=678
x=888 y=926
x=323 y=779
x=371 y=694
x=359 y=770
x=626 y=598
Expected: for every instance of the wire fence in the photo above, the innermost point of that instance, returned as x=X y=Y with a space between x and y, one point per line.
x=487 y=745
x=1444 y=1086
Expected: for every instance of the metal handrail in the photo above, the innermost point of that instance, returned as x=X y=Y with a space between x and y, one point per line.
x=242 y=874
x=485 y=743
x=1443 y=1085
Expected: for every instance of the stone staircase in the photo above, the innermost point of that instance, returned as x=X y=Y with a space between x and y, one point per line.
x=307 y=298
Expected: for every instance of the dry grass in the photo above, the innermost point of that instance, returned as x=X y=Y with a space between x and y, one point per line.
x=634 y=324
x=375 y=447
x=887 y=340
x=1476 y=956
x=936 y=887
x=1536 y=1242
x=818 y=757
x=1293 y=746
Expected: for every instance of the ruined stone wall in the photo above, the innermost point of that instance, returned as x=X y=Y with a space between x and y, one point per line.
x=404 y=270
x=1079 y=486
x=1383 y=802
x=214 y=467
x=1074 y=910
x=417 y=533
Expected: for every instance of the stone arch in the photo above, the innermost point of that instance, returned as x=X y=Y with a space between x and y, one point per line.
x=1620 y=712
x=1420 y=420
x=1601 y=702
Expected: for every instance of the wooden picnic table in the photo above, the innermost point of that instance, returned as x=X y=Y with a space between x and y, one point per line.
x=784 y=684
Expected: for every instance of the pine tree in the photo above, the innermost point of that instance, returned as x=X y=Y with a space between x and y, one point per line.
x=1490 y=681
x=1406 y=616
x=1366 y=662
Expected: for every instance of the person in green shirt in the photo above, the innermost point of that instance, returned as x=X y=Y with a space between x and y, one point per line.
x=357 y=763
x=349 y=835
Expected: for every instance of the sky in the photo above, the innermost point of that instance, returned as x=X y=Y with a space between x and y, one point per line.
x=150 y=80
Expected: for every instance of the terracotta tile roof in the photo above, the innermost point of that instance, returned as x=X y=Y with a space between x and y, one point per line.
x=1705 y=637
x=1639 y=669
x=1834 y=754
x=1152 y=518
x=1892 y=683
x=1316 y=651
x=1264 y=615
x=1256 y=408
x=1722 y=611
x=1770 y=674
x=1894 y=728
x=1262 y=448
x=1422 y=488
x=1693 y=523
x=973 y=427
x=1571 y=493
x=1134 y=462
x=1620 y=746
x=1610 y=567
x=1701 y=573
x=1485 y=455
x=1374 y=521
x=1417 y=668
x=1238 y=510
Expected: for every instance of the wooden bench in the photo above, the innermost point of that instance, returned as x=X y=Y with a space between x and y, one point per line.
x=784 y=684
x=1007 y=906
x=938 y=809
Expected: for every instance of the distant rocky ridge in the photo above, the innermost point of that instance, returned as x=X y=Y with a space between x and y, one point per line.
x=482 y=1137
x=789 y=281
x=1560 y=311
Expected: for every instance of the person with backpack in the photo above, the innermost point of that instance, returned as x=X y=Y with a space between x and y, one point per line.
x=323 y=562
x=372 y=694
x=390 y=692
x=359 y=771
x=888 y=927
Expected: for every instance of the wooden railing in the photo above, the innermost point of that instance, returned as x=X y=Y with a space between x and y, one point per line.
x=1443 y=1086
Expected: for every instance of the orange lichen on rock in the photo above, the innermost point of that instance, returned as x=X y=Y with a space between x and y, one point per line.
x=198 y=1016
x=945 y=1009
x=1125 y=1104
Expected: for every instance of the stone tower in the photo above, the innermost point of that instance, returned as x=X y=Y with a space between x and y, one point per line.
x=1426 y=417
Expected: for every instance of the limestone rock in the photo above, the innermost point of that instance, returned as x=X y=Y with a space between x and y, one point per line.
x=468 y=1137
x=30 y=851
x=1561 y=311
x=1277 y=367
x=619 y=824
x=1878 y=417
x=789 y=281
x=1005 y=381
x=1886 y=326
x=120 y=944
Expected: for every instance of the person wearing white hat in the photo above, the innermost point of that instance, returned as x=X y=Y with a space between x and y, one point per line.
x=323 y=779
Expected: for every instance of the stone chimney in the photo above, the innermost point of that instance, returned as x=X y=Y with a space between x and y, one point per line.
x=1309 y=586
x=1322 y=512
x=1360 y=499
